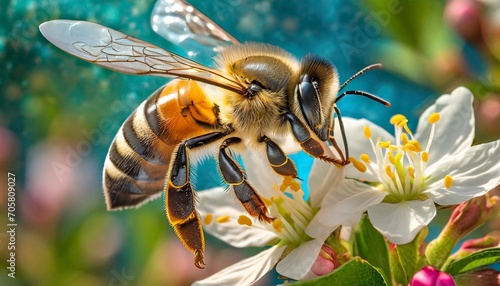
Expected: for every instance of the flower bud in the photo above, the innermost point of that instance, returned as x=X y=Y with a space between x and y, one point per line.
x=430 y=276
x=326 y=261
x=465 y=217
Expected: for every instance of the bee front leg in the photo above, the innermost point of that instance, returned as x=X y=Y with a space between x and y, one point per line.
x=180 y=198
x=280 y=163
x=235 y=177
x=312 y=146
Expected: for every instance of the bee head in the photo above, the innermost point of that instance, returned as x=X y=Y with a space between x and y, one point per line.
x=315 y=92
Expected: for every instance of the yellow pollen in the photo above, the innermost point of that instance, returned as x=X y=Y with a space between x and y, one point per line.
x=358 y=165
x=413 y=145
x=397 y=119
x=287 y=180
x=425 y=156
x=266 y=201
x=367 y=132
x=391 y=157
x=365 y=158
x=295 y=186
x=222 y=219
x=384 y=144
x=277 y=223
x=404 y=138
x=433 y=118
x=411 y=171
x=283 y=187
x=403 y=124
x=389 y=172
x=244 y=220
x=448 y=181
x=208 y=219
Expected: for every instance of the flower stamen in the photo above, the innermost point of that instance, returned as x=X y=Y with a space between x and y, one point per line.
x=208 y=219
x=222 y=219
x=448 y=181
x=244 y=220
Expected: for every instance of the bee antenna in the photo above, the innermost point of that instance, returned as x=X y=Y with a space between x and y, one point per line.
x=370 y=67
x=365 y=94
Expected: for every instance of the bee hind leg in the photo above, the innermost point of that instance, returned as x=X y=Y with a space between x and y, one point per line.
x=180 y=198
x=235 y=177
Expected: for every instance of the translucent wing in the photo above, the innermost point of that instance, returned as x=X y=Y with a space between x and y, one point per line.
x=117 y=51
x=182 y=24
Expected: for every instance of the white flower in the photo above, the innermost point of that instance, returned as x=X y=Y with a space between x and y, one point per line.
x=226 y=219
x=410 y=173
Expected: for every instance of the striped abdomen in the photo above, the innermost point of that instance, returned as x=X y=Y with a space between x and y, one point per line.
x=138 y=159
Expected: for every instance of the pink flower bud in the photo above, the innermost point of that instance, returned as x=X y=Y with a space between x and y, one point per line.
x=430 y=276
x=326 y=261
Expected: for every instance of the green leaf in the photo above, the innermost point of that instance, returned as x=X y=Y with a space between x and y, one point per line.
x=477 y=259
x=356 y=272
x=370 y=245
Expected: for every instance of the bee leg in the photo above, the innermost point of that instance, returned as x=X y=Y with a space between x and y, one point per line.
x=308 y=143
x=180 y=200
x=331 y=138
x=235 y=177
x=280 y=163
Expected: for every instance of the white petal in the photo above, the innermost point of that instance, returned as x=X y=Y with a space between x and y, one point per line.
x=219 y=202
x=247 y=271
x=323 y=178
x=299 y=261
x=401 y=222
x=358 y=144
x=259 y=173
x=344 y=207
x=474 y=173
x=455 y=128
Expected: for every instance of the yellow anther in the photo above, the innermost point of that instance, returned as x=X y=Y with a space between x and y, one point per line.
x=384 y=144
x=222 y=219
x=407 y=129
x=414 y=146
x=393 y=148
x=244 y=220
x=266 y=201
x=295 y=186
x=283 y=187
x=398 y=157
x=433 y=118
x=425 y=156
x=358 y=165
x=389 y=172
x=287 y=180
x=404 y=138
x=391 y=157
x=365 y=158
x=411 y=171
x=277 y=223
x=448 y=181
x=208 y=219
x=397 y=119
x=367 y=132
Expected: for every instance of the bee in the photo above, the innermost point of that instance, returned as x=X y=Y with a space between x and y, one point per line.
x=255 y=94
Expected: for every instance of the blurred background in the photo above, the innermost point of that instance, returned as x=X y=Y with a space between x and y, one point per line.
x=59 y=115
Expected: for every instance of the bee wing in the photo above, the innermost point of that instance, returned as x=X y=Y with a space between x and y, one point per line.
x=182 y=24
x=114 y=50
